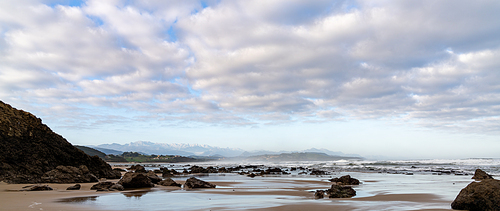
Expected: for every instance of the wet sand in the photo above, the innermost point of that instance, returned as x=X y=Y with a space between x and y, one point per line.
x=288 y=193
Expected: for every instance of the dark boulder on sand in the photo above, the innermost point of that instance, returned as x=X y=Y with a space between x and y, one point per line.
x=338 y=191
x=69 y=174
x=153 y=177
x=319 y=194
x=102 y=185
x=29 y=149
x=197 y=183
x=483 y=195
x=480 y=175
x=74 y=187
x=169 y=182
x=137 y=169
x=135 y=180
x=36 y=188
x=345 y=180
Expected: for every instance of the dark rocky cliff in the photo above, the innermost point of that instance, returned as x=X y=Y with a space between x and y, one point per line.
x=29 y=148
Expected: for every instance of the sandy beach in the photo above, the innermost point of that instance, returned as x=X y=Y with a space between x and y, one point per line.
x=237 y=192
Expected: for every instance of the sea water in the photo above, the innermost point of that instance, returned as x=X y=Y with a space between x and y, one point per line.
x=442 y=178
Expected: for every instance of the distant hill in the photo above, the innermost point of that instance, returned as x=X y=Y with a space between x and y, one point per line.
x=170 y=149
x=328 y=152
x=300 y=156
x=107 y=151
x=91 y=151
x=311 y=150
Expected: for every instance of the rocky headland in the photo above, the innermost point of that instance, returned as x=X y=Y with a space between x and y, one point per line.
x=30 y=152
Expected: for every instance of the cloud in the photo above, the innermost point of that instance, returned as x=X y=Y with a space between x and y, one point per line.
x=251 y=62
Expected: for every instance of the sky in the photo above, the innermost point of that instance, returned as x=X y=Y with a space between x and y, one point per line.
x=403 y=79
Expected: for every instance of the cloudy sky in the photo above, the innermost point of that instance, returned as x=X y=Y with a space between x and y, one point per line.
x=415 y=79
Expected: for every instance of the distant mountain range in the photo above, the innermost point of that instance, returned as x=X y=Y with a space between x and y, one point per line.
x=300 y=156
x=149 y=148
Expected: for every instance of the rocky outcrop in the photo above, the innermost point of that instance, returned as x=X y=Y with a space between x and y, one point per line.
x=107 y=186
x=74 y=187
x=197 y=183
x=338 y=191
x=135 y=180
x=480 y=175
x=137 y=169
x=483 y=195
x=102 y=185
x=168 y=172
x=29 y=149
x=153 y=177
x=117 y=187
x=319 y=194
x=345 y=180
x=69 y=174
x=169 y=182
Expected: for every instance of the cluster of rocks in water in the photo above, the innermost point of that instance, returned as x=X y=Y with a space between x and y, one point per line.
x=249 y=170
x=340 y=189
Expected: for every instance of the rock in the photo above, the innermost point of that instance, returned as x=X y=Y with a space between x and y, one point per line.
x=196 y=183
x=102 y=185
x=169 y=182
x=483 y=195
x=74 y=187
x=153 y=177
x=345 y=180
x=69 y=174
x=318 y=172
x=168 y=173
x=135 y=180
x=117 y=187
x=29 y=149
x=338 y=191
x=274 y=171
x=36 y=188
x=319 y=194
x=137 y=169
x=480 y=175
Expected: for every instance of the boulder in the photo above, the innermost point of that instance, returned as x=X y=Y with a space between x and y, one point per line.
x=139 y=169
x=153 y=177
x=483 y=195
x=102 y=185
x=197 y=183
x=29 y=149
x=169 y=182
x=69 y=174
x=36 y=188
x=135 y=180
x=345 y=180
x=319 y=194
x=74 y=187
x=480 y=175
x=338 y=191
x=117 y=187
x=168 y=173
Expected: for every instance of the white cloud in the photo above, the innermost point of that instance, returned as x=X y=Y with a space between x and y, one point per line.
x=245 y=62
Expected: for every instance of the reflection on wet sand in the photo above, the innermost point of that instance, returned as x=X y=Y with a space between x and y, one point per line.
x=135 y=194
x=78 y=199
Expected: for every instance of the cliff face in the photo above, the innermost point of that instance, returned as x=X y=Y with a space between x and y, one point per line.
x=29 y=148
